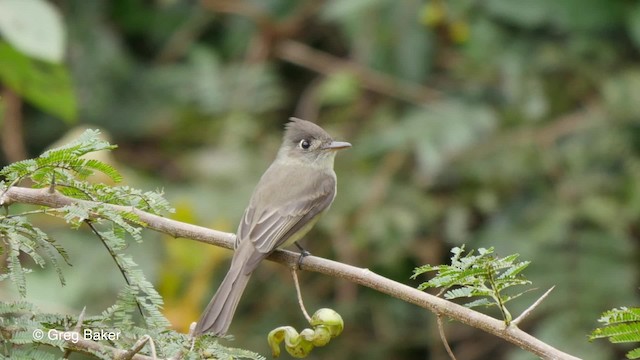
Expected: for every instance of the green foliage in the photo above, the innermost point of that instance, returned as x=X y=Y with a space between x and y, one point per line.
x=30 y=59
x=63 y=164
x=66 y=169
x=34 y=27
x=17 y=235
x=24 y=328
x=46 y=85
x=620 y=326
x=527 y=141
x=484 y=276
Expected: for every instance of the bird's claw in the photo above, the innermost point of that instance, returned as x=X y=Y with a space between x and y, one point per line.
x=303 y=253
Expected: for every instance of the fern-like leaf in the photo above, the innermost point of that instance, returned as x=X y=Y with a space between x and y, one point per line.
x=482 y=276
x=621 y=325
x=633 y=354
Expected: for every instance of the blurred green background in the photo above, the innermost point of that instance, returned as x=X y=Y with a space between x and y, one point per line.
x=505 y=123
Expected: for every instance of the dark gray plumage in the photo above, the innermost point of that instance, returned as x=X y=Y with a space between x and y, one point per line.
x=298 y=187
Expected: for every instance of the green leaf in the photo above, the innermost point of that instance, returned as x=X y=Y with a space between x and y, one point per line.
x=65 y=165
x=479 y=302
x=16 y=271
x=482 y=276
x=633 y=354
x=514 y=270
x=34 y=27
x=46 y=85
x=619 y=333
x=621 y=326
x=622 y=314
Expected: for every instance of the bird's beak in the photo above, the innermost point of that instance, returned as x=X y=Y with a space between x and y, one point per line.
x=337 y=145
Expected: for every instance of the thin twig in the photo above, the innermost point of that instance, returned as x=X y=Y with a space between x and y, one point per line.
x=115 y=259
x=90 y=346
x=302 y=55
x=52 y=186
x=180 y=354
x=136 y=348
x=26 y=213
x=584 y=119
x=532 y=307
x=153 y=348
x=506 y=315
x=180 y=41
x=78 y=326
x=443 y=337
x=76 y=329
x=192 y=330
x=294 y=273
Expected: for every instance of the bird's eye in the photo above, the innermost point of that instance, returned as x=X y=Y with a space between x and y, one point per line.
x=305 y=144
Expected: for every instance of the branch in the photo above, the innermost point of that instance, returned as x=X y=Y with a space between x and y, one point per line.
x=89 y=346
x=294 y=274
x=158 y=223
x=443 y=337
x=533 y=306
x=77 y=329
x=361 y=276
x=277 y=35
x=12 y=133
x=326 y=64
x=588 y=117
x=181 y=40
x=139 y=345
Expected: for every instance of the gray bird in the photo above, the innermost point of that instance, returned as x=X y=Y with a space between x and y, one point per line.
x=295 y=190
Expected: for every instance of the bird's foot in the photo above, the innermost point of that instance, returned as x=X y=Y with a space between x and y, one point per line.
x=303 y=253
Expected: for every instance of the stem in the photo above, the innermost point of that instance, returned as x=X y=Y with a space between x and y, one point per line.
x=114 y=256
x=443 y=337
x=506 y=315
x=294 y=273
x=532 y=307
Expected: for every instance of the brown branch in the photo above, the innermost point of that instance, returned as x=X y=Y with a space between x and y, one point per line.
x=79 y=344
x=533 y=306
x=294 y=274
x=287 y=28
x=321 y=62
x=12 y=134
x=443 y=337
x=277 y=35
x=137 y=347
x=155 y=222
x=243 y=8
x=361 y=276
x=181 y=40
x=580 y=120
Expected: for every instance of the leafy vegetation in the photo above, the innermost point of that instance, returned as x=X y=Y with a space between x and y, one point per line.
x=66 y=169
x=499 y=124
x=482 y=276
x=620 y=326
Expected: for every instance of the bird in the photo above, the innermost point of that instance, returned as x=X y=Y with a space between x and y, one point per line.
x=292 y=194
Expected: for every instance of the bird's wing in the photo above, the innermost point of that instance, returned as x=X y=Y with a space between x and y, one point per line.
x=271 y=227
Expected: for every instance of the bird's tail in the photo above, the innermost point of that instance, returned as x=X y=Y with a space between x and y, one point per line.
x=217 y=317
